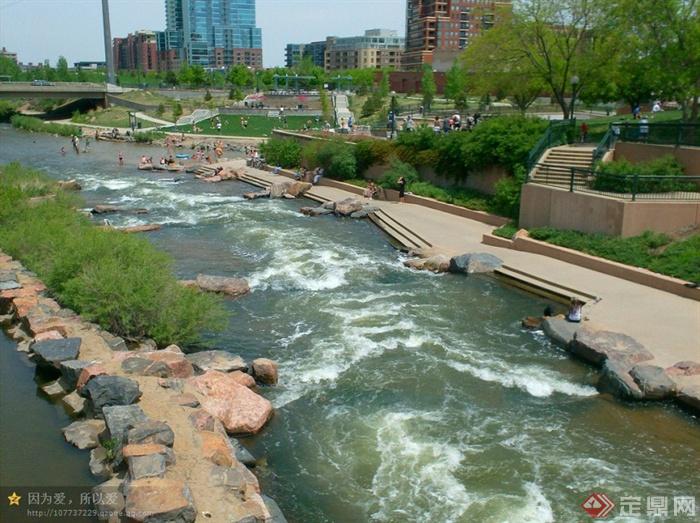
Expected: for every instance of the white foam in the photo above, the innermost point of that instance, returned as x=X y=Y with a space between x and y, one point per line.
x=535 y=381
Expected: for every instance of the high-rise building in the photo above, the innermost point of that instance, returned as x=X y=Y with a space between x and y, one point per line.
x=8 y=54
x=438 y=30
x=295 y=53
x=211 y=33
x=136 y=52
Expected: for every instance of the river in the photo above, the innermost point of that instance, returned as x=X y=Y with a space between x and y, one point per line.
x=403 y=396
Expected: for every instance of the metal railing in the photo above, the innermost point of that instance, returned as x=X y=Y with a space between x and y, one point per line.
x=657 y=133
x=633 y=187
x=604 y=145
x=556 y=134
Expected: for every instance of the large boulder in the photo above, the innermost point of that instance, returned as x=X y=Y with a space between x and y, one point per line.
x=69 y=185
x=315 y=211
x=229 y=286
x=216 y=360
x=163 y=364
x=121 y=418
x=348 y=206
x=151 y=432
x=88 y=373
x=298 y=188
x=100 y=465
x=147 y=460
x=690 y=397
x=479 y=262
x=560 y=331
x=71 y=370
x=52 y=353
x=109 y=499
x=159 y=500
x=265 y=371
x=114 y=342
x=437 y=263
x=85 y=434
x=239 y=409
x=279 y=188
x=616 y=380
x=653 y=382
x=216 y=448
x=254 y=195
x=684 y=368
x=274 y=509
x=597 y=346
x=74 y=403
x=107 y=391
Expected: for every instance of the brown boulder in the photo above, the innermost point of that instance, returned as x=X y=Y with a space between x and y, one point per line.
x=48 y=335
x=265 y=371
x=244 y=379
x=298 y=188
x=348 y=206
x=216 y=448
x=598 y=346
x=229 y=286
x=159 y=500
x=164 y=363
x=531 y=322
x=684 y=368
x=88 y=373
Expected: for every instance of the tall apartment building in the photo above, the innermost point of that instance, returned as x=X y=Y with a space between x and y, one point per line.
x=8 y=54
x=295 y=53
x=211 y=33
x=438 y=30
x=136 y=52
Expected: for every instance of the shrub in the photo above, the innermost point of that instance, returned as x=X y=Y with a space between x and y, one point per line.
x=29 y=123
x=177 y=110
x=7 y=109
x=207 y=96
x=506 y=198
x=410 y=145
x=342 y=165
x=116 y=280
x=372 y=152
x=77 y=117
x=285 y=153
x=618 y=176
x=160 y=111
x=506 y=231
x=336 y=158
x=398 y=169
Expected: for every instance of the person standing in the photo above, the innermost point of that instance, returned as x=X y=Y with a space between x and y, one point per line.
x=584 y=132
x=402 y=189
x=120 y=157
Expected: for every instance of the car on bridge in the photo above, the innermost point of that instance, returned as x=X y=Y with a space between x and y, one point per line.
x=42 y=83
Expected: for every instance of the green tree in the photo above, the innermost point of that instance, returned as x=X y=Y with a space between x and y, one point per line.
x=456 y=86
x=384 y=85
x=160 y=110
x=362 y=79
x=171 y=78
x=9 y=67
x=62 y=72
x=240 y=77
x=177 y=110
x=207 y=96
x=428 y=87
x=198 y=76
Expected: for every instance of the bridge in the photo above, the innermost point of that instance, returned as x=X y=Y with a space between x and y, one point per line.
x=57 y=90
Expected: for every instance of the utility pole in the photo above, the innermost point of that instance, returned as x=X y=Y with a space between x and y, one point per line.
x=109 y=59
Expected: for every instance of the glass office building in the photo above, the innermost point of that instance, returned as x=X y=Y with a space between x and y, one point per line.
x=213 y=33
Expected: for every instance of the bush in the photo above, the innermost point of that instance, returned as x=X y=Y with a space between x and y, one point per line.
x=618 y=176
x=398 y=169
x=77 y=117
x=160 y=111
x=370 y=152
x=336 y=158
x=506 y=198
x=116 y=280
x=7 y=109
x=29 y=123
x=410 y=145
x=506 y=231
x=342 y=165
x=285 y=153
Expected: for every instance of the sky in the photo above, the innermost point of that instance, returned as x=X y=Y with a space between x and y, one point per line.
x=40 y=29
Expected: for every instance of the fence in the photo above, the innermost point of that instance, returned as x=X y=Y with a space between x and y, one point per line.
x=197 y=116
x=557 y=133
x=633 y=187
x=657 y=133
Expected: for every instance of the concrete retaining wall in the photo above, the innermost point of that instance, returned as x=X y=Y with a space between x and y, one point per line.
x=688 y=157
x=546 y=206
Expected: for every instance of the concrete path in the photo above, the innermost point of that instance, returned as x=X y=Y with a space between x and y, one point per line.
x=162 y=123
x=668 y=325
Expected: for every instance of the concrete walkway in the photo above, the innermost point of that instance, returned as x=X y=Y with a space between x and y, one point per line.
x=161 y=123
x=668 y=325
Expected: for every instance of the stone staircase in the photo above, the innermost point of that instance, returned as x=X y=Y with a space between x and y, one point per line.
x=555 y=166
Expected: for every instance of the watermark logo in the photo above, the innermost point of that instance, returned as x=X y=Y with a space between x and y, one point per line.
x=598 y=506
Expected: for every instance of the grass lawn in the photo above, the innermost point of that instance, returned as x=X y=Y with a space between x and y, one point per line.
x=257 y=125
x=654 y=251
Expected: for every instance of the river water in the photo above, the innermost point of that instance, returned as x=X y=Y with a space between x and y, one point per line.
x=403 y=396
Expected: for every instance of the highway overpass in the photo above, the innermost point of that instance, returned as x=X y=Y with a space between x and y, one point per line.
x=63 y=90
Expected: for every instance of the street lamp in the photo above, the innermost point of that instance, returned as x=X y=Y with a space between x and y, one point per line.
x=574 y=83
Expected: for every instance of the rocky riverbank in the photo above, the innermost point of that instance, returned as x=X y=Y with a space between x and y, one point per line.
x=159 y=424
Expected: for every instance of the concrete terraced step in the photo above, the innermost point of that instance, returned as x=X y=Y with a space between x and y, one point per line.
x=542 y=286
x=398 y=232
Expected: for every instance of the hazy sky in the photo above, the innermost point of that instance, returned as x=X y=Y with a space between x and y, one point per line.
x=39 y=29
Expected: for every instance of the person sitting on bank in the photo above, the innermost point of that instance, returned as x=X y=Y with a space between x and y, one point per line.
x=575 y=309
x=318 y=174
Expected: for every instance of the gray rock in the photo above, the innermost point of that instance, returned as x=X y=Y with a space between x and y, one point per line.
x=235 y=478
x=53 y=389
x=114 y=342
x=229 y=286
x=242 y=454
x=148 y=466
x=100 y=466
x=106 y=391
x=254 y=195
x=52 y=352
x=152 y=432
x=690 y=397
x=121 y=418
x=597 y=346
x=6 y=320
x=216 y=360
x=274 y=509
x=278 y=189
x=9 y=285
x=315 y=211
x=560 y=331
x=653 y=382
x=7 y=276
x=74 y=403
x=135 y=365
x=110 y=500
x=328 y=205
x=617 y=381
x=85 y=434
x=478 y=262
x=348 y=206
x=361 y=214
x=176 y=384
x=17 y=333
x=70 y=371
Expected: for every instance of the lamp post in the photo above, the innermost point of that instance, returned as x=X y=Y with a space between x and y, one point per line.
x=574 y=83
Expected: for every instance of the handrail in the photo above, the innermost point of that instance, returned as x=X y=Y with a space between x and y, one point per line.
x=604 y=145
x=554 y=135
x=658 y=133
